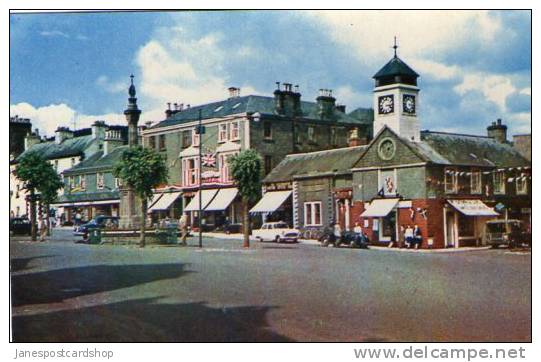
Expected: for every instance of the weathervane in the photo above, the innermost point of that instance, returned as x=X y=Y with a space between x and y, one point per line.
x=395 y=46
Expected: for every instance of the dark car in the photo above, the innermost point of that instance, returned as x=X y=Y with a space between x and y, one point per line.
x=99 y=221
x=507 y=232
x=19 y=226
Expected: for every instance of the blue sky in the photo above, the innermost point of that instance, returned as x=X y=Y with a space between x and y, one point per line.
x=474 y=66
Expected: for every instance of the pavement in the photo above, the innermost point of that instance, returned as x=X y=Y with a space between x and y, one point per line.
x=67 y=292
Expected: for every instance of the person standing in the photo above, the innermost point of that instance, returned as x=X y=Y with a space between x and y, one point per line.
x=42 y=230
x=408 y=234
x=183 y=225
x=401 y=237
x=417 y=236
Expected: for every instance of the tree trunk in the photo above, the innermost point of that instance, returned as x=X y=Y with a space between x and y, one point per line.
x=47 y=213
x=33 y=221
x=143 y=222
x=246 y=223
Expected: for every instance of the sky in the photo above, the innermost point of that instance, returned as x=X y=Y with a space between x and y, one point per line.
x=73 y=68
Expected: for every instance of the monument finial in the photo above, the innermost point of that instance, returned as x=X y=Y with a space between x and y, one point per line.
x=395 y=46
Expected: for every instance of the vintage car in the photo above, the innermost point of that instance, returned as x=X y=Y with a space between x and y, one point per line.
x=276 y=231
x=100 y=221
x=19 y=226
x=506 y=232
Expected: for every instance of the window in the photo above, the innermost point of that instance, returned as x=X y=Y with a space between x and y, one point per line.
x=451 y=180
x=499 y=182
x=223 y=160
x=186 y=138
x=82 y=182
x=151 y=142
x=268 y=164
x=71 y=182
x=72 y=161
x=190 y=169
x=311 y=134
x=117 y=182
x=222 y=132
x=100 y=181
x=234 y=131
x=312 y=213
x=334 y=138
x=522 y=185
x=476 y=182
x=297 y=131
x=161 y=141
x=195 y=138
x=267 y=130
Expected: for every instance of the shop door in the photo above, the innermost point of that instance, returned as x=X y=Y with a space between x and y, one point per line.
x=450 y=229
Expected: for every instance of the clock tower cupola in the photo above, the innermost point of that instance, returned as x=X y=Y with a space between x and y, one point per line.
x=396 y=99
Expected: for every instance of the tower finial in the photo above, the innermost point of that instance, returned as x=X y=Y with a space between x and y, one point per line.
x=132 y=76
x=131 y=90
x=395 y=46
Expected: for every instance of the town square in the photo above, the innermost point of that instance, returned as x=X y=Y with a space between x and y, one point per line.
x=231 y=184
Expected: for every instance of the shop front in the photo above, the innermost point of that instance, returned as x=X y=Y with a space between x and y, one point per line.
x=275 y=206
x=464 y=222
x=165 y=205
x=381 y=220
x=221 y=208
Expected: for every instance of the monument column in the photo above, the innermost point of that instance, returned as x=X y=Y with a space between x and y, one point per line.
x=129 y=204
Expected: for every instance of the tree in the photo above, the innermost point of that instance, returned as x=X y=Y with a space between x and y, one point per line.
x=38 y=177
x=246 y=171
x=142 y=170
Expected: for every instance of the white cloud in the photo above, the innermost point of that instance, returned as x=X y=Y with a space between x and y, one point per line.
x=54 y=33
x=111 y=87
x=495 y=87
x=348 y=96
x=48 y=118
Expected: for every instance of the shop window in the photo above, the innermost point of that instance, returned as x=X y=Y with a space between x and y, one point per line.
x=451 y=180
x=465 y=226
x=186 y=138
x=161 y=141
x=222 y=132
x=499 y=182
x=234 y=131
x=388 y=226
x=100 y=181
x=152 y=142
x=475 y=183
x=312 y=213
x=522 y=185
x=267 y=130
x=190 y=169
x=268 y=164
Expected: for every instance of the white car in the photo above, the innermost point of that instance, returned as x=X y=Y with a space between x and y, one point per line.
x=276 y=231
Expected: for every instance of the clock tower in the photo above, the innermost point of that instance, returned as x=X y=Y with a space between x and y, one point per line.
x=396 y=98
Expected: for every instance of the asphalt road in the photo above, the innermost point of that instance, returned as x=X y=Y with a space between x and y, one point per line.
x=63 y=292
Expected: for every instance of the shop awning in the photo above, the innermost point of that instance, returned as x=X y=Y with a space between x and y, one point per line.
x=222 y=200
x=206 y=198
x=164 y=202
x=271 y=201
x=472 y=207
x=86 y=203
x=380 y=207
x=154 y=199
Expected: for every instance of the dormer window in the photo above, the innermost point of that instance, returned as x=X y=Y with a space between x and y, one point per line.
x=451 y=181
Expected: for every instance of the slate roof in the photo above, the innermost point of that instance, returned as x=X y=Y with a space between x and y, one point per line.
x=395 y=66
x=88 y=196
x=246 y=104
x=50 y=150
x=315 y=163
x=98 y=161
x=363 y=115
x=467 y=150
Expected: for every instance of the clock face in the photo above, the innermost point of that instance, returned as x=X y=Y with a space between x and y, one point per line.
x=386 y=104
x=408 y=104
x=386 y=149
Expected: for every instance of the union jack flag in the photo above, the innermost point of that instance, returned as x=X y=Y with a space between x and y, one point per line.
x=208 y=159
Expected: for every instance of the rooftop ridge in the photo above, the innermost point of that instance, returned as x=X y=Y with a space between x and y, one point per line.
x=455 y=134
x=328 y=150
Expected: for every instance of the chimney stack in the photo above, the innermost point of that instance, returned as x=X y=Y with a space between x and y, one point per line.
x=31 y=139
x=498 y=131
x=234 y=92
x=113 y=139
x=64 y=133
x=98 y=130
x=287 y=101
x=326 y=103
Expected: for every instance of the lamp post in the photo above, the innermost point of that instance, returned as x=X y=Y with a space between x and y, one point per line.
x=200 y=132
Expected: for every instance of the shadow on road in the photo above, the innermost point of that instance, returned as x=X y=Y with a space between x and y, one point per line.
x=146 y=320
x=56 y=285
x=20 y=264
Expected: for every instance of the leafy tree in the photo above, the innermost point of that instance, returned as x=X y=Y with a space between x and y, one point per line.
x=246 y=171
x=38 y=177
x=48 y=190
x=142 y=170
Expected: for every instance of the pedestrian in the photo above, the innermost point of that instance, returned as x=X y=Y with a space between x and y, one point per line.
x=42 y=230
x=357 y=229
x=183 y=224
x=401 y=237
x=337 y=233
x=77 y=218
x=417 y=236
x=408 y=234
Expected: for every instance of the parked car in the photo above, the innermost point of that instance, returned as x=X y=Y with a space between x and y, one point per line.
x=98 y=221
x=276 y=231
x=19 y=226
x=506 y=232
